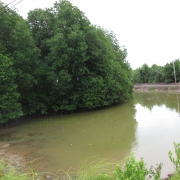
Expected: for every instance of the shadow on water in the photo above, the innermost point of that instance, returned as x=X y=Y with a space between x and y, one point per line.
x=9 y=137
x=67 y=140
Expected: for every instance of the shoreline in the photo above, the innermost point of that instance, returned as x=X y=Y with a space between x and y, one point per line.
x=20 y=163
x=158 y=87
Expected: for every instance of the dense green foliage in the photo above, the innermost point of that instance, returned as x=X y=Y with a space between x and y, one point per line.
x=157 y=74
x=137 y=170
x=60 y=62
x=9 y=106
x=20 y=54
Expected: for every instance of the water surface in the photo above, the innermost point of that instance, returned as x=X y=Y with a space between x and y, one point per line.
x=147 y=125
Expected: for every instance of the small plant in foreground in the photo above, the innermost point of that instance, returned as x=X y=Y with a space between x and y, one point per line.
x=176 y=161
x=134 y=170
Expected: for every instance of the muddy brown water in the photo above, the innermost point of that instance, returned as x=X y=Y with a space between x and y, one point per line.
x=147 y=125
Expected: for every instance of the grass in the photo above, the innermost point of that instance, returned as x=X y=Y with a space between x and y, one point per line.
x=8 y=171
x=130 y=169
x=98 y=169
x=173 y=88
x=152 y=88
x=11 y=170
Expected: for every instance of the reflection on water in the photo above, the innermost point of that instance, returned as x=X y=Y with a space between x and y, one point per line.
x=158 y=127
x=146 y=125
x=178 y=110
x=149 y=100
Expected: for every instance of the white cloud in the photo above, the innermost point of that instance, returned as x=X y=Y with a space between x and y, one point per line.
x=149 y=29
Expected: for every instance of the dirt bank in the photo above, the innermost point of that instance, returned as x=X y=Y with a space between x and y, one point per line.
x=160 y=87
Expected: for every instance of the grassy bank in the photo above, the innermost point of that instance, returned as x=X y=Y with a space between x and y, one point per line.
x=97 y=170
x=8 y=171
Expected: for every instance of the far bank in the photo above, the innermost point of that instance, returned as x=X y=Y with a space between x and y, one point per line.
x=159 y=87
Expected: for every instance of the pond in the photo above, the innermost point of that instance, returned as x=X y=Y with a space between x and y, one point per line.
x=147 y=125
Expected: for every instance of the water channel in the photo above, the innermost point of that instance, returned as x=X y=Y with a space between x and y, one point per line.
x=147 y=125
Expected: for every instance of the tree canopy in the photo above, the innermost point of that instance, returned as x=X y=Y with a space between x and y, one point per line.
x=61 y=62
x=157 y=74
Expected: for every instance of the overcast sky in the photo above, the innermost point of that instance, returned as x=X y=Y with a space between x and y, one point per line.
x=149 y=29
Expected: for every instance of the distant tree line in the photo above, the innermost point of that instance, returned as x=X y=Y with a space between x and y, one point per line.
x=157 y=74
x=57 y=61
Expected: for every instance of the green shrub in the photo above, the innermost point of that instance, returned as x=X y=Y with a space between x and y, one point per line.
x=134 y=170
x=176 y=161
